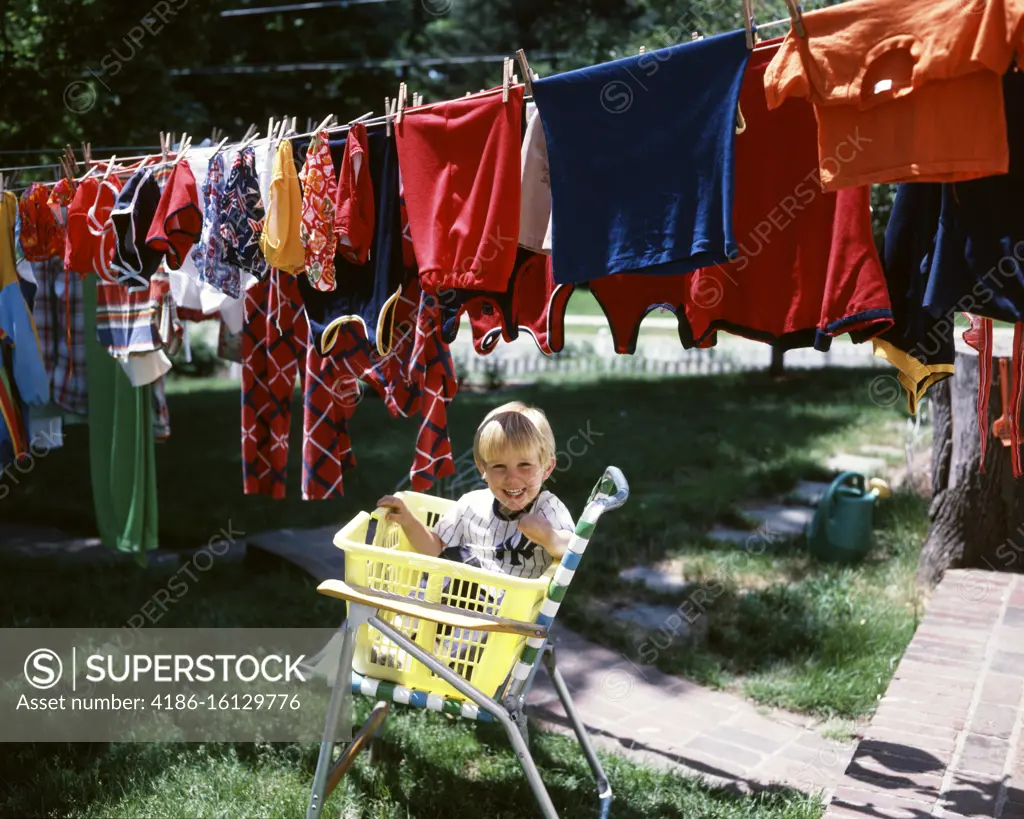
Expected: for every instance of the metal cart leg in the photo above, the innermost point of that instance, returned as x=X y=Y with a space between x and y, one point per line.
x=341 y=698
x=483 y=701
x=604 y=790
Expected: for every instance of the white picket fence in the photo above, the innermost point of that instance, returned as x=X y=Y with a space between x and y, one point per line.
x=661 y=360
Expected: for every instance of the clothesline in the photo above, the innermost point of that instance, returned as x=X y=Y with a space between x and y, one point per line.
x=335 y=129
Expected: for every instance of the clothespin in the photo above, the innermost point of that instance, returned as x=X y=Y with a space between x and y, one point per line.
x=309 y=123
x=220 y=145
x=164 y=149
x=367 y=115
x=110 y=166
x=322 y=125
x=387 y=116
x=696 y=35
x=506 y=78
x=528 y=75
x=401 y=102
x=642 y=49
x=86 y=153
x=748 y=23
x=292 y=129
x=1 y=186
x=796 y=16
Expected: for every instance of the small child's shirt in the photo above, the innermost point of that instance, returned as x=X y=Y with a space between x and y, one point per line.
x=476 y=532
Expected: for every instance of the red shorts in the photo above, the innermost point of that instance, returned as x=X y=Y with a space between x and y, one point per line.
x=460 y=165
x=808 y=268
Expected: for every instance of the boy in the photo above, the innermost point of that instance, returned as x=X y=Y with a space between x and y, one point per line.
x=514 y=526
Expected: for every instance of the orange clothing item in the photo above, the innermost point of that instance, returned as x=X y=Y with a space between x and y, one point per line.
x=907 y=91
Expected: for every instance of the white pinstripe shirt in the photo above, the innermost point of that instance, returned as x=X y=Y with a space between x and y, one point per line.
x=474 y=533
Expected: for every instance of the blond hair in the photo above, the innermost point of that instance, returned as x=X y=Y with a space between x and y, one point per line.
x=514 y=426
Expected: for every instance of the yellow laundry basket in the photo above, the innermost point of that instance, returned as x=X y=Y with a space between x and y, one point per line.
x=378 y=557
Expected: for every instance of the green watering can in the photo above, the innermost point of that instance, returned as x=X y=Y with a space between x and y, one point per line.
x=841 y=529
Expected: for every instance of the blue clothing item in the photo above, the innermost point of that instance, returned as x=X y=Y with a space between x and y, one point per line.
x=640 y=153
x=16 y=321
x=365 y=294
x=920 y=342
x=978 y=262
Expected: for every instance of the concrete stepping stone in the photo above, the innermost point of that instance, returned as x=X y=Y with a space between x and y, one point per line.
x=865 y=465
x=808 y=493
x=776 y=519
x=312 y=550
x=655 y=579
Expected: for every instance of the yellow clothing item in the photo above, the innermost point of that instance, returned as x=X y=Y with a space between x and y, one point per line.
x=280 y=241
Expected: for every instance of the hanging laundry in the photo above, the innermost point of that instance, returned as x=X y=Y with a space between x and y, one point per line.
x=40 y=235
x=91 y=242
x=535 y=207
x=14 y=441
x=627 y=298
x=978 y=262
x=178 y=221
x=538 y=305
x=808 y=268
x=280 y=240
x=877 y=70
x=532 y=302
x=639 y=184
x=27 y=369
x=274 y=339
x=208 y=255
x=122 y=459
x=242 y=218
x=132 y=216
x=366 y=294
x=919 y=344
x=354 y=206
x=316 y=230
x=57 y=312
x=460 y=165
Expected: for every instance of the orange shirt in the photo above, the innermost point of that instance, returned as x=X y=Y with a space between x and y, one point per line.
x=904 y=90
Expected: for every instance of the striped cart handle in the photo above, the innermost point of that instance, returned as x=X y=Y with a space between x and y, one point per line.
x=609 y=493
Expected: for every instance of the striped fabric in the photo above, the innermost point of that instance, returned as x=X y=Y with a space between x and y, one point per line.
x=392 y=692
x=560 y=583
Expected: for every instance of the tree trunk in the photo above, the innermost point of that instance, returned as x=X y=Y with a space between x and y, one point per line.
x=776 y=369
x=977 y=520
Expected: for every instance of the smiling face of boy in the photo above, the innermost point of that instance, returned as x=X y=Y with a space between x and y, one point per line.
x=515 y=477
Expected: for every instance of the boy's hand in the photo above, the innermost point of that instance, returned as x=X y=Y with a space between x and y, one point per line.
x=536 y=528
x=399 y=513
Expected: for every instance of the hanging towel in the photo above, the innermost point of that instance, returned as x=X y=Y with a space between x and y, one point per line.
x=641 y=157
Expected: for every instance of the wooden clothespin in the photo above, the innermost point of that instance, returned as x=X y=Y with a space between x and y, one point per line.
x=322 y=125
x=796 y=16
x=367 y=115
x=403 y=91
x=220 y=145
x=696 y=35
x=528 y=75
x=110 y=166
x=1 y=185
x=748 y=23
x=506 y=78
x=642 y=49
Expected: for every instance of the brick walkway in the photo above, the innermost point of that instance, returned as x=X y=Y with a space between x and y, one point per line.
x=668 y=722
x=946 y=739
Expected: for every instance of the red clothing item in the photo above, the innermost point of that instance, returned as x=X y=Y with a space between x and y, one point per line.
x=538 y=308
x=41 y=237
x=460 y=164
x=354 y=206
x=808 y=268
x=626 y=298
x=90 y=237
x=178 y=221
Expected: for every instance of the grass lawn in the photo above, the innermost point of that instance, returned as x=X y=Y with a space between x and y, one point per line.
x=789 y=631
x=432 y=766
